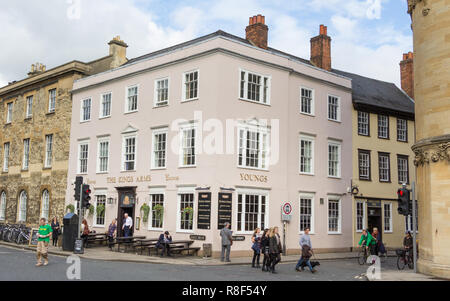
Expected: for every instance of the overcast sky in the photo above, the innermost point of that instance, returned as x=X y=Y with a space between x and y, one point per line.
x=369 y=36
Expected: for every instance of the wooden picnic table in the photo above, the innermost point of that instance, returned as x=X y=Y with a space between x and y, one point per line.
x=127 y=241
x=93 y=237
x=141 y=243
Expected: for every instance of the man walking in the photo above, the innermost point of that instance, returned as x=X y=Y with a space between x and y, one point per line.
x=127 y=225
x=227 y=242
x=305 y=244
x=44 y=233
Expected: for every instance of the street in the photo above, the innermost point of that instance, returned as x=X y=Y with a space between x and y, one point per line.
x=19 y=265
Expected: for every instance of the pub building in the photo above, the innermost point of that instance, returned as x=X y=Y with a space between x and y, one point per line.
x=154 y=136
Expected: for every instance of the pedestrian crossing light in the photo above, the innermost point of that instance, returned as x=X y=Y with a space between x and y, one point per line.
x=403 y=201
x=85 y=196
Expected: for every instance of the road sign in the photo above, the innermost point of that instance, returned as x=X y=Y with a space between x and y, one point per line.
x=287 y=209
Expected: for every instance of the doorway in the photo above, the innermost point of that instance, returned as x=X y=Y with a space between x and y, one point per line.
x=374 y=219
x=127 y=197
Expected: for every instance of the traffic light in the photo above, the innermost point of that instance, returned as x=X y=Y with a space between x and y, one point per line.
x=404 y=204
x=78 y=183
x=85 y=196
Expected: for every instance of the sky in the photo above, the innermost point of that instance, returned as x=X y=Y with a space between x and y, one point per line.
x=368 y=36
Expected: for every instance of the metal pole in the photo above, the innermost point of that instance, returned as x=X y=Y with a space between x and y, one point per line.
x=284 y=238
x=79 y=212
x=414 y=222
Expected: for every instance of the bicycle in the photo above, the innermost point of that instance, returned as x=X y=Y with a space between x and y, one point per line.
x=363 y=255
x=403 y=259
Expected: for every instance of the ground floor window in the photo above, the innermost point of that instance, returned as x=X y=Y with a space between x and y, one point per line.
x=409 y=221
x=306 y=212
x=360 y=216
x=100 y=208
x=22 y=207
x=45 y=204
x=251 y=212
x=157 y=210
x=186 y=211
x=3 y=206
x=388 y=217
x=334 y=215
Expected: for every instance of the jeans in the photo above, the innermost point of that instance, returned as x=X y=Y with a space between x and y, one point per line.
x=165 y=249
x=126 y=231
x=306 y=260
x=227 y=249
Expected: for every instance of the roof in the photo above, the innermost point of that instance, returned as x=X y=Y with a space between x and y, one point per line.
x=369 y=92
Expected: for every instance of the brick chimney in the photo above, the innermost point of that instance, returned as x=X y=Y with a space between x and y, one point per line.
x=321 y=50
x=257 y=31
x=407 y=73
x=118 y=49
x=36 y=69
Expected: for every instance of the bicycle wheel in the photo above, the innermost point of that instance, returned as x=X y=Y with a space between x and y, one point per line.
x=362 y=257
x=401 y=262
x=410 y=263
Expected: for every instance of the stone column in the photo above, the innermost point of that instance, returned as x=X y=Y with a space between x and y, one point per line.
x=431 y=29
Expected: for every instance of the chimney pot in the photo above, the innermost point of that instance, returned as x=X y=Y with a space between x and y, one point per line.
x=257 y=31
x=321 y=49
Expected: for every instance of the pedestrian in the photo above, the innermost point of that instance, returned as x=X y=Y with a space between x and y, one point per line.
x=379 y=246
x=265 y=250
x=274 y=249
x=227 y=242
x=111 y=234
x=306 y=246
x=256 y=247
x=84 y=231
x=164 y=243
x=44 y=233
x=127 y=225
x=408 y=244
x=56 y=228
x=368 y=241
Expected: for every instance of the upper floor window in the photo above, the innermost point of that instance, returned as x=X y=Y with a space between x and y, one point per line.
x=3 y=206
x=132 y=99
x=9 y=112
x=307 y=101
x=363 y=123
x=6 y=157
x=51 y=100
x=48 y=150
x=307 y=155
x=253 y=148
x=334 y=159
x=384 y=167
x=402 y=130
x=103 y=156
x=86 y=109
x=188 y=139
x=22 y=206
x=383 y=126
x=159 y=148
x=129 y=153
x=190 y=85
x=161 y=92
x=29 y=111
x=105 y=110
x=45 y=204
x=364 y=164
x=83 y=155
x=255 y=87
x=334 y=110
x=26 y=154
x=402 y=167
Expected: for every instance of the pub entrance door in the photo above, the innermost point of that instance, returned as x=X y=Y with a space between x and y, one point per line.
x=374 y=219
x=127 y=204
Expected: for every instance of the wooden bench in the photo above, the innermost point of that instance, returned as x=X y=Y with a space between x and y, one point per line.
x=96 y=237
x=127 y=241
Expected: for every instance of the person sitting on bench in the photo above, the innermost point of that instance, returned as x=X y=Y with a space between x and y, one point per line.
x=164 y=241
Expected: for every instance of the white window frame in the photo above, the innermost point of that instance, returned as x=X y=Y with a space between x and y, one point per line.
x=3 y=206
x=390 y=218
x=26 y=154
x=339 y=200
x=388 y=172
x=183 y=81
x=6 y=155
x=264 y=133
x=313 y=97
x=94 y=216
x=101 y=110
x=312 y=140
x=29 y=106
x=150 y=202
x=261 y=89
x=183 y=128
x=45 y=207
x=380 y=125
x=312 y=197
x=48 y=150
x=364 y=216
x=368 y=123
x=82 y=120
x=9 y=112
x=156 y=103
x=127 y=98
x=405 y=129
x=338 y=111
x=186 y=190
x=409 y=221
x=245 y=192
x=22 y=212
x=51 y=101
x=156 y=132
x=80 y=144
x=124 y=138
x=99 y=142
x=339 y=145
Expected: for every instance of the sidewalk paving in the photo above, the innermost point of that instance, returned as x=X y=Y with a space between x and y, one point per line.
x=407 y=275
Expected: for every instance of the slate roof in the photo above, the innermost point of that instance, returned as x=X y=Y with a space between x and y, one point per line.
x=367 y=92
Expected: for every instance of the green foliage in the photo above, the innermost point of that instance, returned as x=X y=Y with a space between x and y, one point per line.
x=189 y=211
x=145 y=211
x=100 y=210
x=159 y=212
x=91 y=210
x=71 y=208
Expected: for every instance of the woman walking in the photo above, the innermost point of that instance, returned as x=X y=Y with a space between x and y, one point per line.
x=111 y=233
x=56 y=231
x=274 y=249
x=256 y=247
x=265 y=250
x=84 y=231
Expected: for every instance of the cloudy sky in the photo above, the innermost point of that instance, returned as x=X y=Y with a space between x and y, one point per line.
x=369 y=36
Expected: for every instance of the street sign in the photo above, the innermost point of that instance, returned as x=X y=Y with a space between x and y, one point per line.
x=286 y=212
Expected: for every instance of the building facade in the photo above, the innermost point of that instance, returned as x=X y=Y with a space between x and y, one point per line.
x=35 y=118
x=431 y=29
x=217 y=129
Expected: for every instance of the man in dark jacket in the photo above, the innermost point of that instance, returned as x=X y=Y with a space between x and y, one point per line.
x=164 y=241
x=227 y=241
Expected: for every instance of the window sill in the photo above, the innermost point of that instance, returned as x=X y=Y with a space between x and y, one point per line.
x=104 y=117
x=255 y=102
x=383 y=138
x=8 y=123
x=131 y=112
x=334 y=233
x=189 y=166
x=50 y=113
x=102 y=172
x=386 y=182
x=306 y=114
x=306 y=174
x=189 y=100
x=28 y=118
x=336 y=178
x=366 y=180
x=337 y=121
x=47 y=168
x=127 y=171
x=252 y=168
x=362 y=135
x=160 y=106
x=185 y=231
x=158 y=168
x=402 y=141
x=84 y=121
x=25 y=170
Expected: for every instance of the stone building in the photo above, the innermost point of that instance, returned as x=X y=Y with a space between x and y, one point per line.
x=431 y=30
x=35 y=117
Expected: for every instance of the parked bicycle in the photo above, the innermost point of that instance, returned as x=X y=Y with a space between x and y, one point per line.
x=404 y=258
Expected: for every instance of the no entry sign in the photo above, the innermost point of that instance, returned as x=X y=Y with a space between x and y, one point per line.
x=287 y=209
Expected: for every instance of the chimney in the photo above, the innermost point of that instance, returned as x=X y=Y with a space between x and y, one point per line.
x=257 y=31
x=37 y=69
x=118 y=50
x=407 y=73
x=321 y=50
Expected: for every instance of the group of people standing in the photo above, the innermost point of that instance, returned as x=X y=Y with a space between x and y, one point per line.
x=269 y=243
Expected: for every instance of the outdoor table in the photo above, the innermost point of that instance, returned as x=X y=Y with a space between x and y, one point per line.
x=127 y=240
x=146 y=242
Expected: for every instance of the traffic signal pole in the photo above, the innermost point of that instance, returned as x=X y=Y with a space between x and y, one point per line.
x=414 y=224
x=79 y=211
